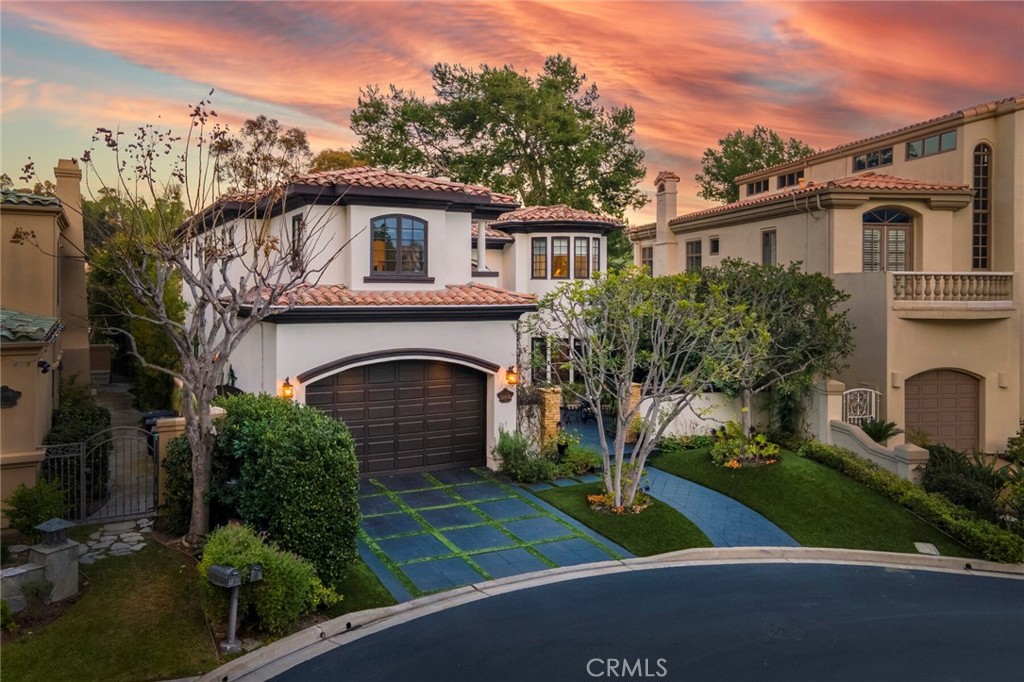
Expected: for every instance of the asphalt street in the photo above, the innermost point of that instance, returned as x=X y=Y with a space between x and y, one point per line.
x=783 y=621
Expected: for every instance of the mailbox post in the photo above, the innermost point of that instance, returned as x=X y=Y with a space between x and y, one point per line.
x=230 y=577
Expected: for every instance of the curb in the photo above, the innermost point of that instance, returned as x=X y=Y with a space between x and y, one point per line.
x=311 y=642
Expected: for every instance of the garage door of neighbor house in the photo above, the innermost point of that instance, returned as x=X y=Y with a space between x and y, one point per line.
x=944 y=403
x=408 y=415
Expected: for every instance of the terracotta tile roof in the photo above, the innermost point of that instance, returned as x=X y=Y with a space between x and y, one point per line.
x=862 y=181
x=26 y=199
x=368 y=176
x=560 y=213
x=17 y=327
x=645 y=228
x=968 y=112
x=340 y=296
x=491 y=233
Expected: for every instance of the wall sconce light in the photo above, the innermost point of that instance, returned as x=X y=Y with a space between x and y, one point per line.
x=44 y=366
x=287 y=391
x=512 y=376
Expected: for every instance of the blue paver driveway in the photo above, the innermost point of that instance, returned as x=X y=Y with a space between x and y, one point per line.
x=429 y=532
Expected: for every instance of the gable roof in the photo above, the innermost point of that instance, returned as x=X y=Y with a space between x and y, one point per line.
x=18 y=327
x=977 y=111
x=869 y=181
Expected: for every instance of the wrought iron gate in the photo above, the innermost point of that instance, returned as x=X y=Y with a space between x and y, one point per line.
x=112 y=475
x=861 y=405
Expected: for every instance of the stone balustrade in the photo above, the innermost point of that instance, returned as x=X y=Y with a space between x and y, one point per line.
x=952 y=287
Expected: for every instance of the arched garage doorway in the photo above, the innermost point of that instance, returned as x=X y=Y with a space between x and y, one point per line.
x=408 y=415
x=944 y=403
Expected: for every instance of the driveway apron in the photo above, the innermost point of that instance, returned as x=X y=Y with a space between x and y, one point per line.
x=428 y=532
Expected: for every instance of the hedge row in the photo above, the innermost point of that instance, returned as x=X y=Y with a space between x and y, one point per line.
x=986 y=539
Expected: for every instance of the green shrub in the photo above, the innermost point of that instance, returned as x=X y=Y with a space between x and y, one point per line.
x=1015 y=446
x=28 y=507
x=7 y=623
x=733 y=449
x=290 y=587
x=579 y=460
x=520 y=462
x=680 y=443
x=971 y=482
x=986 y=539
x=880 y=430
x=223 y=493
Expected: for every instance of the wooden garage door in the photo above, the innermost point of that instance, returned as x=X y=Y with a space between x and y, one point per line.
x=944 y=404
x=408 y=415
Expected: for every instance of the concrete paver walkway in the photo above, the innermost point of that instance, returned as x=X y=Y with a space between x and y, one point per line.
x=429 y=532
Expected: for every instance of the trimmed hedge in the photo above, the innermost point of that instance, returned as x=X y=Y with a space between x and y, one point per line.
x=283 y=468
x=289 y=588
x=986 y=539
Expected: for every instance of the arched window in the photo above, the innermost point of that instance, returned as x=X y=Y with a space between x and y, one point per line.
x=982 y=216
x=887 y=241
x=399 y=246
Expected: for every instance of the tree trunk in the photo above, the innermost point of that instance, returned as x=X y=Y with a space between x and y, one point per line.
x=199 y=429
x=746 y=401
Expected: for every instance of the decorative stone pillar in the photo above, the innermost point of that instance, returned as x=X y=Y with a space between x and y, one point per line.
x=550 y=414
x=826 y=405
x=60 y=568
x=165 y=431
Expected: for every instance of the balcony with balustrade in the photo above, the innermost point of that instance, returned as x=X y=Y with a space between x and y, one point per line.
x=952 y=295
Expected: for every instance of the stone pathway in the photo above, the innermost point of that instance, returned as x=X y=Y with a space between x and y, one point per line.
x=115 y=539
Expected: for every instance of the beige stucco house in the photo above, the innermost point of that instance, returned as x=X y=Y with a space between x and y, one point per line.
x=44 y=326
x=409 y=334
x=924 y=227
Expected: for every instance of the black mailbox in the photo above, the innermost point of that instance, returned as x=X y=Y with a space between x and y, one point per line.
x=224 y=576
x=255 y=572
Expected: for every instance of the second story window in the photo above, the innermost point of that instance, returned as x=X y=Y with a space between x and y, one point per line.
x=559 y=258
x=298 y=241
x=399 y=246
x=873 y=159
x=982 y=210
x=934 y=144
x=790 y=179
x=769 y=248
x=757 y=187
x=693 y=256
x=887 y=241
x=539 y=256
x=647 y=257
x=581 y=258
x=713 y=246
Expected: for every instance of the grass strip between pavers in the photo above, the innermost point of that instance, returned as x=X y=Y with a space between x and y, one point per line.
x=466 y=555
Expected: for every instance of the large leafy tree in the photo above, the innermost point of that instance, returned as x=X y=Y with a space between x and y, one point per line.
x=739 y=153
x=333 y=159
x=679 y=336
x=262 y=154
x=545 y=139
x=808 y=335
x=232 y=279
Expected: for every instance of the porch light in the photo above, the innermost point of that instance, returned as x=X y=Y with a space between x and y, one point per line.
x=512 y=376
x=287 y=391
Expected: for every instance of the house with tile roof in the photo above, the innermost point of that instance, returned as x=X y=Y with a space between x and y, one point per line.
x=44 y=326
x=409 y=332
x=924 y=227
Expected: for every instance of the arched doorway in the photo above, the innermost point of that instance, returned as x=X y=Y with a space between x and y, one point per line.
x=408 y=415
x=944 y=403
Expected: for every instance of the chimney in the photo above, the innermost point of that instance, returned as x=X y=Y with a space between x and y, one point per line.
x=481 y=247
x=664 y=240
x=74 y=310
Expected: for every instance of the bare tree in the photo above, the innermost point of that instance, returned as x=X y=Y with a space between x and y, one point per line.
x=663 y=333
x=235 y=263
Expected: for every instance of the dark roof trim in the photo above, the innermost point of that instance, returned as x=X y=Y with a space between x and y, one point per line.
x=558 y=227
x=426 y=313
x=396 y=354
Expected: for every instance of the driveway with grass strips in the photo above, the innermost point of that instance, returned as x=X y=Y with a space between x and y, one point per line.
x=427 y=532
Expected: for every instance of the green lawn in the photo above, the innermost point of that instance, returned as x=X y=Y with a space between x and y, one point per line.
x=817 y=506
x=140 y=619
x=656 y=530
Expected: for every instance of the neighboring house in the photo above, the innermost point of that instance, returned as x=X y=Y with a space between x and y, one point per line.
x=44 y=327
x=403 y=337
x=924 y=227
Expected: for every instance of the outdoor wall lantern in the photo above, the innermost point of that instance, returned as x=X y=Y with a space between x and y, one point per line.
x=287 y=391
x=54 y=531
x=44 y=366
x=512 y=376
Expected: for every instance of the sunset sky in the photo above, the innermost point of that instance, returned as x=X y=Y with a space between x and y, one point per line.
x=825 y=72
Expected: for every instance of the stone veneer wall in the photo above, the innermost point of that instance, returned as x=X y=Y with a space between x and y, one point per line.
x=550 y=414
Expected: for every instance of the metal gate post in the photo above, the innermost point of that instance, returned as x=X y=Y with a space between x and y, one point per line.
x=83 y=503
